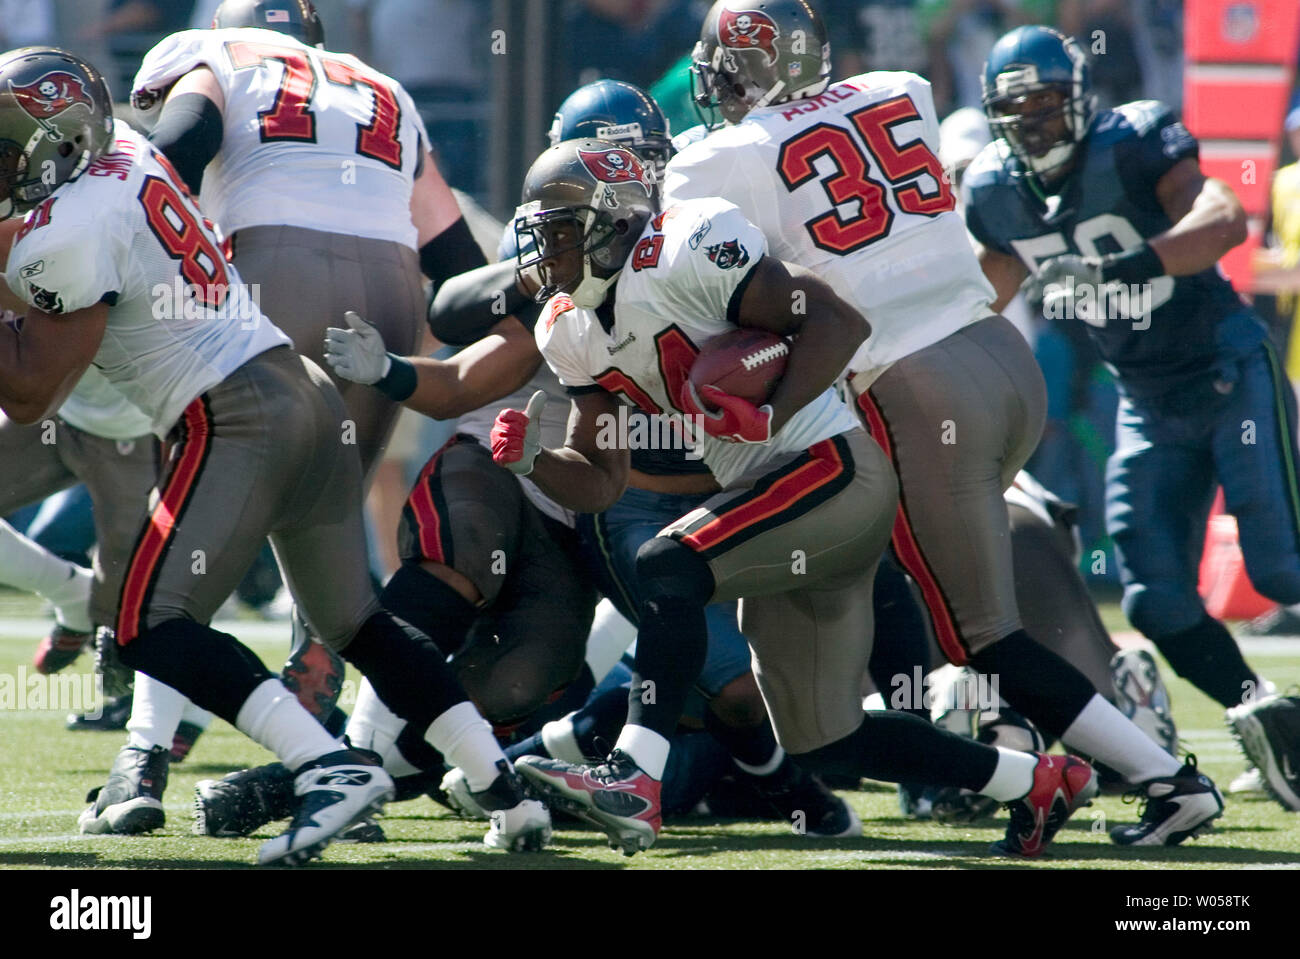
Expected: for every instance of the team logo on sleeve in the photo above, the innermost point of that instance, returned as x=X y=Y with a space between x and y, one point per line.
x=46 y=97
x=617 y=166
x=748 y=30
x=728 y=255
x=45 y=300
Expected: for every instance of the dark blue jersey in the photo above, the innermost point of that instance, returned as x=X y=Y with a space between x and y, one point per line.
x=1169 y=331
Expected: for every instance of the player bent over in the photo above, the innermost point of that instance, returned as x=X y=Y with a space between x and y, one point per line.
x=254 y=443
x=796 y=474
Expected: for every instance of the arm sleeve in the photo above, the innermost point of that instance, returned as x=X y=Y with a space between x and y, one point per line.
x=189 y=133
x=467 y=306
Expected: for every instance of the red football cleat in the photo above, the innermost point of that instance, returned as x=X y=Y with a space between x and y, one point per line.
x=618 y=796
x=60 y=649
x=1061 y=785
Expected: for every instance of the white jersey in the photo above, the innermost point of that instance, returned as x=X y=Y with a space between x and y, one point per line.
x=676 y=293
x=554 y=422
x=311 y=139
x=848 y=185
x=126 y=233
x=97 y=407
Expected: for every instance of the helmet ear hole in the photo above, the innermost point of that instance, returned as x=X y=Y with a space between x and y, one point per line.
x=66 y=149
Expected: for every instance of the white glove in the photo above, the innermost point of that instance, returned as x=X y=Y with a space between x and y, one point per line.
x=357 y=354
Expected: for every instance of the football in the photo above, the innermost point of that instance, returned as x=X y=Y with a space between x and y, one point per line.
x=743 y=362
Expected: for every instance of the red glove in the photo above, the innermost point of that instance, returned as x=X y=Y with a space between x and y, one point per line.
x=739 y=421
x=517 y=437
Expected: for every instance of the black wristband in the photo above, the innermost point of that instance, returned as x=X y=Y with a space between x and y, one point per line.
x=450 y=253
x=1132 y=266
x=400 y=380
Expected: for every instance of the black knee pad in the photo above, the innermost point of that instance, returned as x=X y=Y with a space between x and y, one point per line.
x=667 y=569
x=418 y=597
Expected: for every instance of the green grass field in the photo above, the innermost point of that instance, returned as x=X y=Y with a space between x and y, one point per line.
x=48 y=770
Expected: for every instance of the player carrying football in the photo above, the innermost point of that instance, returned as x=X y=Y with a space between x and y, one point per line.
x=843 y=179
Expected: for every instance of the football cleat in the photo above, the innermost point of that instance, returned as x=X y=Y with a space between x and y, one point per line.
x=1174 y=808
x=1269 y=733
x=187 y=734
x=59 y=649
x=813 y=809
x=365 y=831
x=617 y=796
x=112 y=717
x=333 y=792
x=131 y=801
x=243 y=802
x=1061 y=785
x=1002 y=727
x=455 y=790
x=314 y=673
x=1248 y=783
x=519 y=823
x=1140 y=694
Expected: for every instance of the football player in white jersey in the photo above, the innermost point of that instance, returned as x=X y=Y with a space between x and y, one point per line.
x=318 y=170
x=252 y=433
x=843 y=178
x=799 y=479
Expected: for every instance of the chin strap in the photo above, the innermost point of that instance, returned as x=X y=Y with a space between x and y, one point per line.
x=591 y=292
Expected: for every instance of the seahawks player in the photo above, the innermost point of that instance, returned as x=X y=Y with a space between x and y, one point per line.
x=1111 y=211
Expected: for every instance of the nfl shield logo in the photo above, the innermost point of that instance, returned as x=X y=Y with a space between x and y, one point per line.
x=1240 y=22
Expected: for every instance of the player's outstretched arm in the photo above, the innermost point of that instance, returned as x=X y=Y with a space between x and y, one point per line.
x=1207 y=216
x=42 y=362
x=491 y=368
x=786 y=299
x=589 y=473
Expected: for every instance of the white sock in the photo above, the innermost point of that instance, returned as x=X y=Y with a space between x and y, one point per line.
x=560 y=742
x=374 y=726
x=647 y=748
x=1013 y=776
x=32 y=568
x=196 y=716
x=465 y=739
x=769 y=767
x=1105 y=734
x=272 y=717
x=155 y=713
x=611 y=634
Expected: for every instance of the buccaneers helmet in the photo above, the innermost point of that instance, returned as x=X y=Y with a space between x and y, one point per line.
x=56 y=118
x=1027 y=61
x=752 y=53
x=297 y=18
x=619 y=112
x=586 y=203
